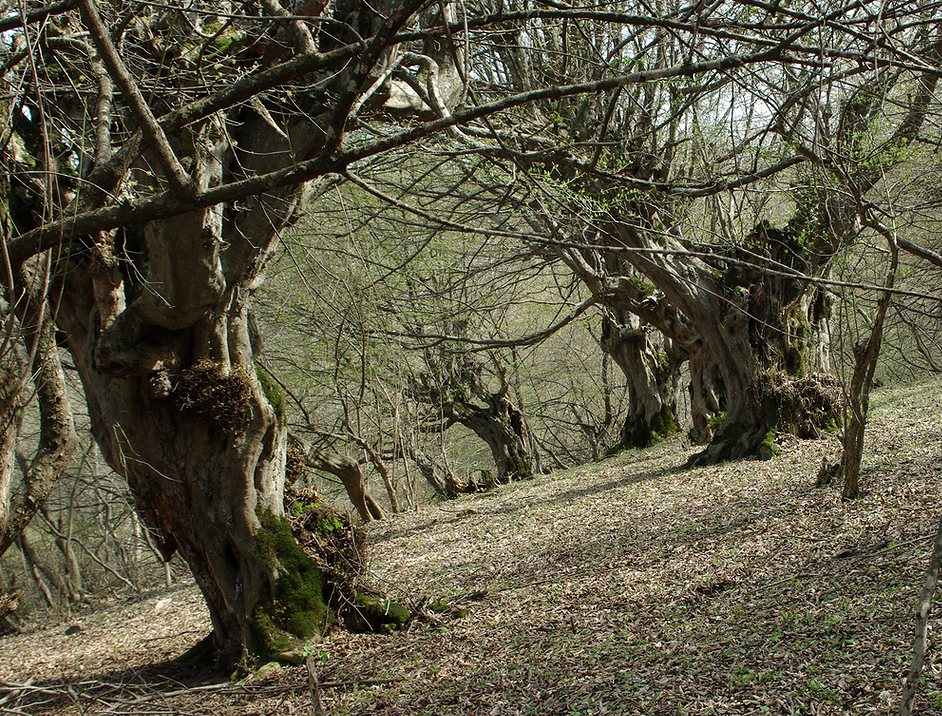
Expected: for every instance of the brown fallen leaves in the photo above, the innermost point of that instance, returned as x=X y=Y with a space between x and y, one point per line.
x=629 y=586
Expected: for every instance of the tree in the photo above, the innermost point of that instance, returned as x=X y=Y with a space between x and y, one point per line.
x=156 y=153
x=145 y=141
x=620 y=167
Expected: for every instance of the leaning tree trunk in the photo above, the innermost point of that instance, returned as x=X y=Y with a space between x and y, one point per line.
x=652 y=377
x=503 y=427
x=39 y=371
x=348 y=471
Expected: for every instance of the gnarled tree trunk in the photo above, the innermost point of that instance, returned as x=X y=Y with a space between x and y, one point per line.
x=652 y=375
x=202 y=447
x=503 y=427
x=350 y=475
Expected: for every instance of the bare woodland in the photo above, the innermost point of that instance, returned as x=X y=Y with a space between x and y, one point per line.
x=275 y=270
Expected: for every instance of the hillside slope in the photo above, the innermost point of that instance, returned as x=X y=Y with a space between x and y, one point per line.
x=630 y=586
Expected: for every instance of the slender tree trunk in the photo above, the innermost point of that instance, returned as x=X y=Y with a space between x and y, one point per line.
x=35 y=569
x=73 y=572
x=911 y=684
x=40 y=372
x=866 y=355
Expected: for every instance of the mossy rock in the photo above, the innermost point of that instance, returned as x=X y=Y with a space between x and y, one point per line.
x=768 y=447
x=441 y=606
x=369 y=613
x=267 y=669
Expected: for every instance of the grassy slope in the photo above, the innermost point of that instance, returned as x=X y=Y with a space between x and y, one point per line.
x=631 y=587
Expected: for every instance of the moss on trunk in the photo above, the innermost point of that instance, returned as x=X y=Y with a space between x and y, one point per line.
x=298 y=608
x=640 y=433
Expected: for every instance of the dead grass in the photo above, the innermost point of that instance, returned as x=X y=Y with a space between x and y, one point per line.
x=630 y=586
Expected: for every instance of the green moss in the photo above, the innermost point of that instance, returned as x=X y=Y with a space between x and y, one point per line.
x=794 y=362
x=664 y=425
x=645 y=287
x=768 y=447
x=273 y=392
x=519 y=468
x=371 y=613
x=222 y=42
x=715 y=421
x=439 y=606
x=274 y=642
x=639 y=434
x=298 y=606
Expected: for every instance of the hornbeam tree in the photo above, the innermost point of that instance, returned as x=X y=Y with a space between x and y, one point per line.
x=155 y=152
x=619 y=179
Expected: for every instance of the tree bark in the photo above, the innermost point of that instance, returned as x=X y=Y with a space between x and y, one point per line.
x=349 y=473
x=503 y=427
x=866 y=355
x=181 y=413
x=920 y=646
x=155 y=314
x=652 y=377
x=41 y=371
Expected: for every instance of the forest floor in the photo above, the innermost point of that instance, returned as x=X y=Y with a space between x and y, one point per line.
x=629 y=586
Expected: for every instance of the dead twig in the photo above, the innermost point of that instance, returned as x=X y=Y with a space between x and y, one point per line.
x=314 y=685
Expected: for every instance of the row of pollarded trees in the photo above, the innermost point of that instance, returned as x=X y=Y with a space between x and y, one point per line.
x=156 y=154
x=620 y=182
x=422 y=374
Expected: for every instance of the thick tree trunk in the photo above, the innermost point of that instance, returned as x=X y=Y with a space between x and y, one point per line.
x=652 y=377
x=503 y=427
x=188 y=423
x=704 y=401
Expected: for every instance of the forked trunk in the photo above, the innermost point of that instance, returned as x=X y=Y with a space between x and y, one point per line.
x=652 y=377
